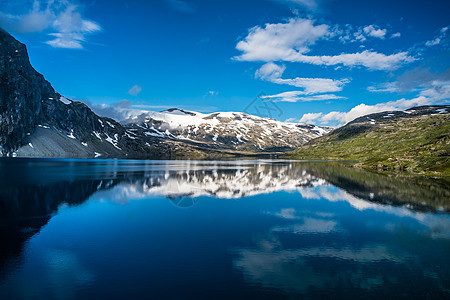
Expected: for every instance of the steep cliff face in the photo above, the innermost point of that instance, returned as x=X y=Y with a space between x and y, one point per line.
x=22 y=91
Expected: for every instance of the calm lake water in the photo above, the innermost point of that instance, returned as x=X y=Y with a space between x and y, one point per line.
x=117 y=229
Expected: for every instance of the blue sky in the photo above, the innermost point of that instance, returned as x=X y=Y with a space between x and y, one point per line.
x=319 y=61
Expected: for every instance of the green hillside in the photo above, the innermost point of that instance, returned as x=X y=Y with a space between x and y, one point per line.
x=414 y=141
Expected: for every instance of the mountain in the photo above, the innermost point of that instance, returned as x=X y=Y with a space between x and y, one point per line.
x=36 y=121
x=225 y=130
x=416 y=140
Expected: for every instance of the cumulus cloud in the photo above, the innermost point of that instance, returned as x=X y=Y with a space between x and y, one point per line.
x=437 y=40
x=350 y=33
x=310 y=117
x=438 y=91
x=135 y=90
x=281 y=41
x=396 y=35
x=61 y=19
x=375 y=31
x=270 y=71
x=291 y=42
x=273 y=72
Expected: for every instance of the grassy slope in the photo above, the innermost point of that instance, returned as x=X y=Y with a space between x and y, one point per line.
x=418 y=144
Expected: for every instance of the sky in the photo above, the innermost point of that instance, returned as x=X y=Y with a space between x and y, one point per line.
x=316 y=61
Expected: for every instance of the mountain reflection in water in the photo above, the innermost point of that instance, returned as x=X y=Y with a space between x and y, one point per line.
x=288 y=228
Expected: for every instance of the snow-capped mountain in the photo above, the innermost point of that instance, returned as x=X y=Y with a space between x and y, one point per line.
x=230 y=130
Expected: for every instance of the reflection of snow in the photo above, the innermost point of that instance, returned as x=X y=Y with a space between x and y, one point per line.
x=221 y=182
x=233 y=180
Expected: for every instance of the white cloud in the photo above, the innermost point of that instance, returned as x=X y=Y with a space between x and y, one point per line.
x=311 y=86
x=434 y=42
x=292 y=40
x=438 y=92
x=296 y=96
x=438 y=39
x=272 y=72
x=375 y=31
x=309 y=117
x=281 y=41
x=135 y=90
x=315 y=85
x=61 y=18
x=349 y=33
x=359 y=36
x=68 y=41
x=368 y=59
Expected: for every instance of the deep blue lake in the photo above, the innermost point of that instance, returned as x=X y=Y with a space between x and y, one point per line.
x=120 y=229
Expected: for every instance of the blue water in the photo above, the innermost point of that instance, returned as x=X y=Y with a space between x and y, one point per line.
x=118 y=229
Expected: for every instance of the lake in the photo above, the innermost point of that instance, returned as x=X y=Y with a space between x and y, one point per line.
x=122 y=229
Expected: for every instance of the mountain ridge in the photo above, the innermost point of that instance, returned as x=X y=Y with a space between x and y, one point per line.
x=228 y=130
